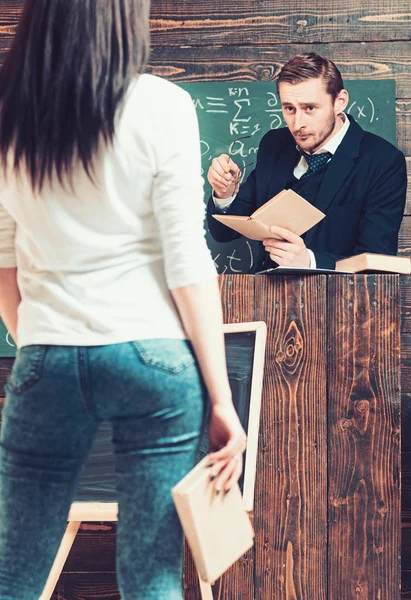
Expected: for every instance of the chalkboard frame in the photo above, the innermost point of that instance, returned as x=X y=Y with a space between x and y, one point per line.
x=250 y=464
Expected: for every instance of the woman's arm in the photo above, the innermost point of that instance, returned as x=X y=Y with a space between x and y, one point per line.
x=9 y=291
x=177 y=198
x=199 y=306
x=9 y=299
x=200 y=311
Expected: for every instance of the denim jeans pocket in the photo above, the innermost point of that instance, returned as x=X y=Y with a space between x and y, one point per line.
x=170 y=355
x=27 y=368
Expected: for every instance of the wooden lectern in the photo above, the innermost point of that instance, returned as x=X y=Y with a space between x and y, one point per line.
x=327 y=499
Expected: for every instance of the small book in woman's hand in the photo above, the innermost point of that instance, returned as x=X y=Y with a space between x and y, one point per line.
x=287 y=209
x=216 y=526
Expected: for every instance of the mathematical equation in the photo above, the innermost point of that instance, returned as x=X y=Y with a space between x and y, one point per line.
x=249 y=118
x=243 y=128
x=242 y=102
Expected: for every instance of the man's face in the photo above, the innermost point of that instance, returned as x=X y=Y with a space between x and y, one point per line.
x=309 y=112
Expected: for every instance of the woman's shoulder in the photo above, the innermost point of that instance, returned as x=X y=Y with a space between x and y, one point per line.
x=157 y=90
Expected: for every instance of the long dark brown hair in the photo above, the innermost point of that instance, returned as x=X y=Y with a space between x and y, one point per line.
x=64 y=80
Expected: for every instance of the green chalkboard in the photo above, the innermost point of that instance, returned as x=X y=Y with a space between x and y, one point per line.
x=7 y=346
x=230 y=110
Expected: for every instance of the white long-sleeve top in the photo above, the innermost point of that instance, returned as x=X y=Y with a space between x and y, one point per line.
x=96 y=266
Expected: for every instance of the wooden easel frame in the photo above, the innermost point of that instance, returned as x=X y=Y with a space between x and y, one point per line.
x=80 y=511
x=108 y=511
x=260 y=329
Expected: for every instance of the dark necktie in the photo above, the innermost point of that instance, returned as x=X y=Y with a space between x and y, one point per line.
x=315 y=162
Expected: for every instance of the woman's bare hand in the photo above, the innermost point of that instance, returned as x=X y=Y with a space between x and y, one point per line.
x=227 y=442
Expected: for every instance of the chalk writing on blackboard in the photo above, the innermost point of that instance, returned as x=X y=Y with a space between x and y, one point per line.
x=7 y=345
x=363 y=111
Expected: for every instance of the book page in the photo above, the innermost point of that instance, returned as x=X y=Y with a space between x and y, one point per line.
x=289 y=210
x=249 y=227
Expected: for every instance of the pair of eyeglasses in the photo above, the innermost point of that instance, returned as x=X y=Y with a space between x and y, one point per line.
x=244 y=137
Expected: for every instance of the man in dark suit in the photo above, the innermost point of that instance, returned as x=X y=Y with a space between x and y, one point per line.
x=356 y=178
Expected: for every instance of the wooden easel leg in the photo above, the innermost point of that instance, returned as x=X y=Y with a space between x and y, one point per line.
x=205 y=588
x=61 y=557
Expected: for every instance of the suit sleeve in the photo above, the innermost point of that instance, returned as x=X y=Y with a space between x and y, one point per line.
x=381 y=217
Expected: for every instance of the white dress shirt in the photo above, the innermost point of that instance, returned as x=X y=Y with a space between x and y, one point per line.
x=96 y=267
x=302 y=166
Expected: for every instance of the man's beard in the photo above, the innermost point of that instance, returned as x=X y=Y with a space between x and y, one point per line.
x=330 y=128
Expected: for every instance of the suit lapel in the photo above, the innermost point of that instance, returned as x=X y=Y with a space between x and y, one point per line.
x=282 y=170
x=340 y=166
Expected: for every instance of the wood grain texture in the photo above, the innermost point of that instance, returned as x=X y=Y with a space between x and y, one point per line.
x=406 y=386
x=404 y=240
x=403 y=111
x=356 y=60
x=289 y=560
x=405 y=284
x=364 y=428
x=250 y=63
x=262 y=22
x=87 y=586
x=238 y=299
x=290 y=515
x=92 y=551
x=237 y=293
x=407 y=210
x=268 y=21
x=406 y=362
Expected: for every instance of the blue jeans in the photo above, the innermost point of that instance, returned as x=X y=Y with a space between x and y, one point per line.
x=153 y=394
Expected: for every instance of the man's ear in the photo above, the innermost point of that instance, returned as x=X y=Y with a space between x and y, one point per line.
x=341 y=102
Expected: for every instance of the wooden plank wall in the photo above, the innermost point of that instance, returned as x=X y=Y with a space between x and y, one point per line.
x=363 y=437
x=290 y=512
x=199 y=40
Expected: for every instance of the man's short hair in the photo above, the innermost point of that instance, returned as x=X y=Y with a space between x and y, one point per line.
x=312 y=66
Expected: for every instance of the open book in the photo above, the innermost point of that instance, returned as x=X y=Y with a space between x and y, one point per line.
x=287 y=209
x=216 y=526
x=374 y=262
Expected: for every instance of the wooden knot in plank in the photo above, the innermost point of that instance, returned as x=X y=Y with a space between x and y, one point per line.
x=345 y=424
x=382 y=508
x=302 y=24
x=361 y=415
x=265 y=72
x=291 y=353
